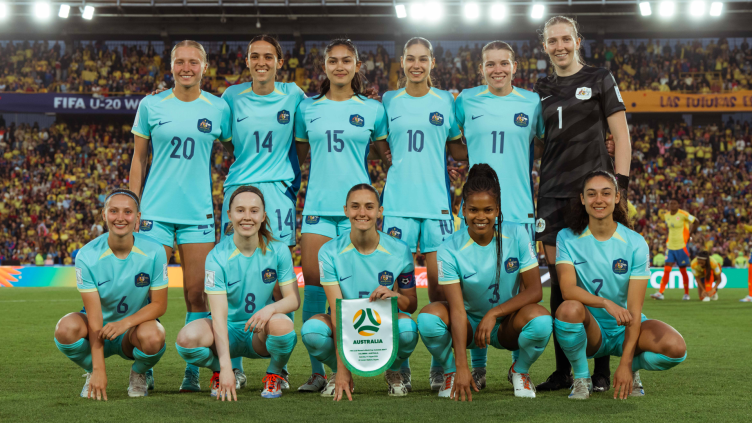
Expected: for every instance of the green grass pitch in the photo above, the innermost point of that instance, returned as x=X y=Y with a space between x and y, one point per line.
x=37 y=383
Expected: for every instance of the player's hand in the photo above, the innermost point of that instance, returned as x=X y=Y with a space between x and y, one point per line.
x=372 y=93
x=258 y=321
x=622 y=382
x=226 y=389
x=382 y=293
x=157 y=91
x=388 y=155
x=343 y=383
x=454 y=173
x=113 y=330
x=463 y=383
x=610 y=145
x=98 y=385
x=483 y=333
x=622 y=315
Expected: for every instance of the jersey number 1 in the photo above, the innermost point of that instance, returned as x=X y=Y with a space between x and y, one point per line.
x=560 y=110
x=501 y=142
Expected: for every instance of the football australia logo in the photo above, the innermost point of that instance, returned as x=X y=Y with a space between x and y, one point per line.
x=283 y=117
x=367 y=322
x=584 y=93
x=436 y=119
x=521 y=120
x=145 y=225
x=620 y=266
x=357 y=120
x=204 y=125
x=395 y=232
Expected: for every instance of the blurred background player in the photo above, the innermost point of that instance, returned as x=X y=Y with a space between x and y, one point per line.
x=241 y=273
x=179 y=127
x=604 y=268
x=122 y=277
x=748 y=298
x=337 y=127
x=417 y=201
x=486 y=306
x=680 y=226
x=580 y=103
x=363 y=263
x=706 y=271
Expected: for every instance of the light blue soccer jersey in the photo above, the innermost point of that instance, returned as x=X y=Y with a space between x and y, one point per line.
x=340 y=134
x=359 y=275
x=417 y=184
x=123 y=284
x=262 y=133
x=178 y=187
x=605 y=268
x=461 y=260
x=500 y=131
x=248 y=282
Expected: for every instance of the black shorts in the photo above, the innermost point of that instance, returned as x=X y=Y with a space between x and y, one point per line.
x=551 y=213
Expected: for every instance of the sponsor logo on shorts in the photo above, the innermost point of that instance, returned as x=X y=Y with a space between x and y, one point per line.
x=584 y=93
x=204 y=125
x=386 y=278
x=367 y=322
x=269 y=276
x=312 y=220
x=209 y=279
x=436 y=119
x=512 y=265
x=283 y=117
x=142 y=280
x=146 y=225
x=540 y=225
x=521 y=120
x=395 y=232
x=620 y=266
x=357 y=120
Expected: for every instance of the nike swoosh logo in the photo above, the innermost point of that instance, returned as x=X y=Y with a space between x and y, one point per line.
x=163 y=123
x=476 y=117
x=469 y=276
x=102 y=283
x=315 y=119
x=346 y=277
x=206 y=232
x=240 y=120
x=233 y=283
x=582 y=262
x=284 y=236
x=544 y=99
x=393 y=119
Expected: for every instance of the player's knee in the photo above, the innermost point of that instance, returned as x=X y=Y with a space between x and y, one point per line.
x=194 y=296
x=280 y=325
x=437 y=309
x=151 y=340
x=539 y=327
x=571 y=311
x=68 y=330
x=675 y=347
x=187 y=338
x=316 y=335
x=431 y=325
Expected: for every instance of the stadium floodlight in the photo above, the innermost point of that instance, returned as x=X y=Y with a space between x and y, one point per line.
x=417 y=11
x=401 y=11
x=498 y=12
x=537 y=11
x=645 y=9
x=3 y=10
x=472 y=11
x=64 y=11
x=42 y=10
x=88 y=12
x=716 y=8
x=697 y=8
x=434 y=11
x=667 y=9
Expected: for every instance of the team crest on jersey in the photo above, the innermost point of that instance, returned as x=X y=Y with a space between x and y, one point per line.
x=204 y=125
x=436 y=118
x=620 y=266
x=269 y=276
x=283 y=117
x=540 y=225
x=395 y=232
x=512 y=265
x=146 y=225
x=142 y=280
x=521 y=120
x=312 y=220
x=584 y=93
x=357 y=120
x=386 y=278
x=228 y=229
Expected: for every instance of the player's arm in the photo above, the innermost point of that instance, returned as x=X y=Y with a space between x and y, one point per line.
x=381 y=152
x=138 y=164
x=694 y=226
x=570 y=291
x=344 y=382
x=463 y=381
x=152 y=311
x=538 y=147
x=623 y=374
x=229 y=147
x=457 y=149
x=617 y=125
x=98 y=381
x=218 y=303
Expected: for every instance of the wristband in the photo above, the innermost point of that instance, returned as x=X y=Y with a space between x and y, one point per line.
x=622 y=181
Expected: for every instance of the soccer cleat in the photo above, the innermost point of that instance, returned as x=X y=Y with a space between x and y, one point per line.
x=446 y=386
x=394 y=382
x=714 y=297
x=581 y=388
x=137 y=386
x=479 y=376
x=637 y=389
x=706 y=299
x=285 y=383
x=601 y=383
x=190 y=382
x=328 y=390
x=556 y=381
x=523 y=386
x=214 y=383
x=85 y=390
x=747 y=299
x=686 y=297
x=315 y=383
x=657 y=296
x=150 y=379
x=272 y=386
x=240 y=379
x=436 y=379
x=407 y=378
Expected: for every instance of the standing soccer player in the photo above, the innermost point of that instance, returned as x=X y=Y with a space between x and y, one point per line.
x=363 y=263
x=680 y=226
x=580 y=103
x=122 y=277
x=262 y=127
x=417 y=202
x=180 y=126
x=706 y=271
x=604 y=268
x=337 y=127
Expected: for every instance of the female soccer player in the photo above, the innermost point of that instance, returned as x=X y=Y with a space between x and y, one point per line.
x=604 y=268
x=122 y=277
x=579 y=104
x=262 y=122
x=417 y=203
x=677 y=222
x=241 y=272
x=180 y=126
x=706 y=271
x=363 y=263
x=480 y=269
x=337 y=127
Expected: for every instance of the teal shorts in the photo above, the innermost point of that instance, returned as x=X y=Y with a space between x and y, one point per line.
x=280 y=200
x=474 y=322
x=329 y=226
x=612 y=340
x=429 y=232
x=165 y=233
x=241 y=342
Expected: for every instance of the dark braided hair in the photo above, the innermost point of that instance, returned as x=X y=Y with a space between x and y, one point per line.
x=482 y=178
x=577 y=219
x=357 y=82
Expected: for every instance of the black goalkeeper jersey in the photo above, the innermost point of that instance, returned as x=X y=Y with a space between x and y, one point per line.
x=575 y=109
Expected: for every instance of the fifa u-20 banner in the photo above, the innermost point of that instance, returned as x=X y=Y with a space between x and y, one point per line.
x=367 y=334
x=656 y=101
x=68 y=103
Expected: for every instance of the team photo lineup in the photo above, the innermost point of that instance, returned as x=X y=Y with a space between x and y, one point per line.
x=525 y=213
